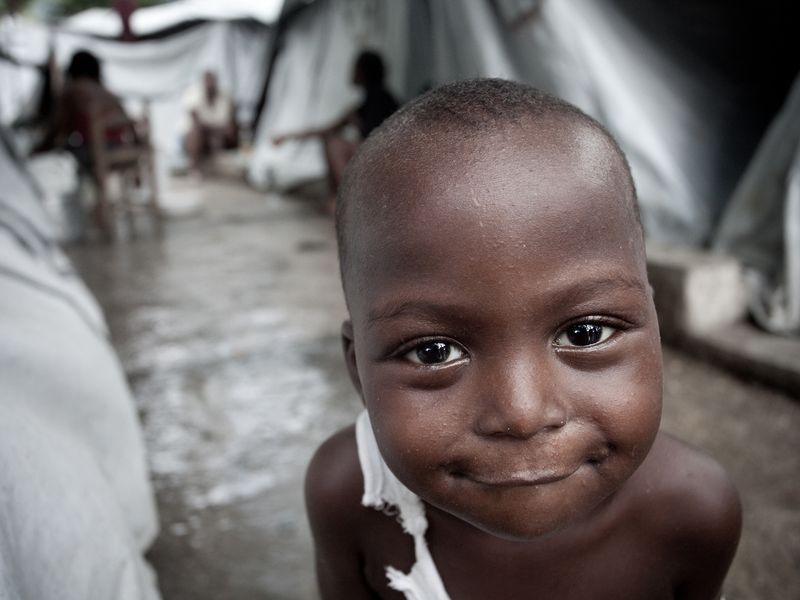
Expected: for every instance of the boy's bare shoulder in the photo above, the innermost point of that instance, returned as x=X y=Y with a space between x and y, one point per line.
x=687 y=502
x=334 y=482
x=352 y=543
x=333 y=489
x=693 y=491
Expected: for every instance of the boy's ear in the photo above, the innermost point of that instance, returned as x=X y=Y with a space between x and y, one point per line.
x=350 y=354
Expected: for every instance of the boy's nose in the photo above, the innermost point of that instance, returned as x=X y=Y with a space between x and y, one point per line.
x=519 y=399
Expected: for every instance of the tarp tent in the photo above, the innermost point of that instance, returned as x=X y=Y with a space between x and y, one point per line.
x=683 y=125
x=669 y=116
x=310 y=83
x=163 y=70
x=665 y=116
x=681 y=121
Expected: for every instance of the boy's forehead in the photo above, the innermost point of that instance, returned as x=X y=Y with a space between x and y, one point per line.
x=455 y=200
x=547 y=169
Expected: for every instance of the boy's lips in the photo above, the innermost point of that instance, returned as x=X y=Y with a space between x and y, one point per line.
x=518 y=478
x=488 y=475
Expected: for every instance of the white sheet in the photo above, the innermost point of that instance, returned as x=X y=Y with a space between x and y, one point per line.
x=76 y=507
x=311 y=84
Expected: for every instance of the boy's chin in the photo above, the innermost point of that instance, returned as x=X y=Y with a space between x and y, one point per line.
x=527 y=527
x=522 y=532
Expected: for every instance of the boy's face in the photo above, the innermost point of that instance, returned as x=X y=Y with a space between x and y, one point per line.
x=503 y=334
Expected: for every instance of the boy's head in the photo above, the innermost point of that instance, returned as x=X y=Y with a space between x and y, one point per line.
x=501 y=332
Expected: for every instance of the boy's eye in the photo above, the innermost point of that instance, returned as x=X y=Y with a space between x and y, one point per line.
x=435 y=352
x=584 y=334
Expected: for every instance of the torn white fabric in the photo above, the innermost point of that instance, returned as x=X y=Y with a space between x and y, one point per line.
x=384 y=492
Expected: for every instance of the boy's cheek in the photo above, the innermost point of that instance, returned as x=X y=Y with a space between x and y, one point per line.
x=407 y=419
x=634 y=418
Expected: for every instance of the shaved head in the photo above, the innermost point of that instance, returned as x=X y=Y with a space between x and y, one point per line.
x=451 y=127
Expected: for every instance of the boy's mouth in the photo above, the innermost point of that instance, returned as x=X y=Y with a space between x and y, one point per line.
x=527 y=476
x=517 y=478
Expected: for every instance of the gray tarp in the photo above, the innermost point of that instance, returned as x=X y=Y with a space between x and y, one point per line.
x=76 y=507
x=671 y=118
x=582 y=50
x=761 y=225
x=311 y=87
x=666 y=116
x=105 y=22
x=164 y=70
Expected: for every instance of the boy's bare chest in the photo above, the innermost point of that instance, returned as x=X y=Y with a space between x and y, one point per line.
x=620 y=566
x=607 y=571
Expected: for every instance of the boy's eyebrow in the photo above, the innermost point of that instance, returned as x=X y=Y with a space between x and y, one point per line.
x=411 y=307
x=603 y=284
x=581 y=290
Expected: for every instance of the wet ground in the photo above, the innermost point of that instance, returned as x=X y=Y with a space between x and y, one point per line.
x=228 y=328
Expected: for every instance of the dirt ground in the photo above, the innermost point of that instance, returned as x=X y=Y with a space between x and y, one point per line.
x=228 y=328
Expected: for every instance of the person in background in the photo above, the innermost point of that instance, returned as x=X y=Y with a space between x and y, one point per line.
x=213 y=123
x=83 y=99
x=378 y=103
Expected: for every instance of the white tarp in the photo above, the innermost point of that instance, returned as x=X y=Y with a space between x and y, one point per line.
x=76 y=508
x=105 y=22
x=25 y=44
x=161 y=71
x=671 y=118
x=582 y=50
x=311 y=82
x=761 y=224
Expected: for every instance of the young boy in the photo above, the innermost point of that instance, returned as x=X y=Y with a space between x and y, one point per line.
x=503 y=339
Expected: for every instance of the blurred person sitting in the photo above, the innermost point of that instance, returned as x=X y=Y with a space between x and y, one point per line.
x=90 y=123
x=84 y=99
x=213 y=124
x=378 y=103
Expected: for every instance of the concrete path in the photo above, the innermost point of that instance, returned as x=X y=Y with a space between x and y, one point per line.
x=228 y=328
